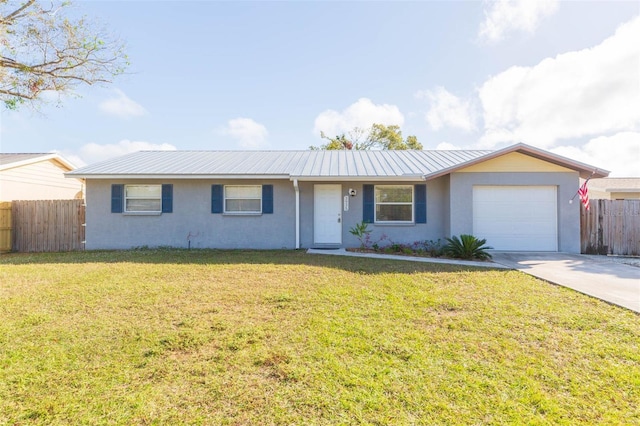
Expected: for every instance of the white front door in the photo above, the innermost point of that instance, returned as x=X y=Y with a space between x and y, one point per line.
x=327 y=214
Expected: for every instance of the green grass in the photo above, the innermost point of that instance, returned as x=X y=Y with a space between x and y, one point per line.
x=282 y=337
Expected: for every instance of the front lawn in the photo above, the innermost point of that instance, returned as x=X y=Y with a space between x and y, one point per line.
x=282 y=337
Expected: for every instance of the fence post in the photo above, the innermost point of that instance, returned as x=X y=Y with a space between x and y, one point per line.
x=6 y=240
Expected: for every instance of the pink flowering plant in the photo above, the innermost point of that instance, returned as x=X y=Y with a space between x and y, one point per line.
x=384 y=244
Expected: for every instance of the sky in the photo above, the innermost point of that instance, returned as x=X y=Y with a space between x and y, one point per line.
x=559 y=75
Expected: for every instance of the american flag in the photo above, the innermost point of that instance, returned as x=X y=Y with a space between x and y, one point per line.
x=583 y=192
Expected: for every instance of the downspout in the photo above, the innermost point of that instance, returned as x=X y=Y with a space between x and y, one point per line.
x=297 y=189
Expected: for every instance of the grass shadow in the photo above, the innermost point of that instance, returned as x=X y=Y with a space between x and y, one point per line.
x=233 y=257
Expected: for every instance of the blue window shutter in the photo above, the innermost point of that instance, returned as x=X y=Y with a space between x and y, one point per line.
x=167 y=198
x=217 y=198
x=117 y=198
x=267 y=199
x=368 y=203
x=420 y=203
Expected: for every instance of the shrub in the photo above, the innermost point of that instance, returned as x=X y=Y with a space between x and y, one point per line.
x=396 y=247
x=432 y=247
x=467 y=247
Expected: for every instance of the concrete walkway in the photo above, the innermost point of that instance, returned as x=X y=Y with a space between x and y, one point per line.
x=343 y=252
x=597 y=276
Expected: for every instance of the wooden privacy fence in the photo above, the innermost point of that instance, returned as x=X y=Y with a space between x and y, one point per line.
x=47 y=225
x=5 y=226
x=611 y=227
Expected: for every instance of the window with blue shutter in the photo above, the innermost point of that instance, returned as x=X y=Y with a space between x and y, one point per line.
x=167 y=198
x=267 y=199
x=117 y=198
x=368 y=203
x=420 y=200
x=217 y=199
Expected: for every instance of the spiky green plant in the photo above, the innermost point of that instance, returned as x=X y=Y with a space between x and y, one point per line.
x=361 y=231
x=467 y=247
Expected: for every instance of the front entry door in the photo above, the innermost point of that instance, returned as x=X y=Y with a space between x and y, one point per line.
x=327 y=214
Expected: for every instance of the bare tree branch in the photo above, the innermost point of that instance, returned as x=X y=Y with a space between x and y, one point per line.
x=16 y=14
x=43 y=50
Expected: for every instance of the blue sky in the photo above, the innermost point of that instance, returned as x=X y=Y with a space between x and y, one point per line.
x=563 y=76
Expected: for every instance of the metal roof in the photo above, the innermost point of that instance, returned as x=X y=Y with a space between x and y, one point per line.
x=282 y=164
x=343 y=164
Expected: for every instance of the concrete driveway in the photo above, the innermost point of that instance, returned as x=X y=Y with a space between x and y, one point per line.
x=597 y=276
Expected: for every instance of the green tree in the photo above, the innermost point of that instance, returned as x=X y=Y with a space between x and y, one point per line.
x=378 y=136
x=42 y=49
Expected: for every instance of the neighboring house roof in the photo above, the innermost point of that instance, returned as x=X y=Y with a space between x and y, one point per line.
x=317 y=165
x=615 y=184
x=12 y=160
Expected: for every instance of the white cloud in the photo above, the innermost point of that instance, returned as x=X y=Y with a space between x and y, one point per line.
x=506 y=16
x=584 y=93
x=619 y=153
x=247 y=133
x=588 y=95
x=448 y=110
x=363 y=113
x=122 y=106
x=446 y=146
x=93 y=152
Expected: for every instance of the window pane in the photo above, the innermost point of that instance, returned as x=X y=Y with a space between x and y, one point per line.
x=142 y=205
x=241 y=205
x=243 y=191
x=143 y=191
x=394 y=212
x=394 y=193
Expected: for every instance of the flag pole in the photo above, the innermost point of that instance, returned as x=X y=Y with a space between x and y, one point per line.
x=578 y=191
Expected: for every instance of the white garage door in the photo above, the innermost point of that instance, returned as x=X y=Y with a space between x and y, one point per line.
x=516 y=217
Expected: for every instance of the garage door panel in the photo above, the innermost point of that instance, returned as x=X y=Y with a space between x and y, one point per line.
x=516 y=217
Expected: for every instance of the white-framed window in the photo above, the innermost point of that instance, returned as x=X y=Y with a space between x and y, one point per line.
x=394 y=203
x=243 y=198
x=143 y=198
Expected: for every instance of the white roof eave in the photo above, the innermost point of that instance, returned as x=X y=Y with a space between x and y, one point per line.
x=172 y=176
x=404 y=178
x=33 y=160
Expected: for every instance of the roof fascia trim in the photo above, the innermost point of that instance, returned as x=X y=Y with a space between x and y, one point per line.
x=585 y=170
x=619 y=189
x=170 y=176
x=45 y=157
x=410 y=178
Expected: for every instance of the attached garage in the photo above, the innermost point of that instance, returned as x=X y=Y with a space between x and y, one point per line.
x=516 y=218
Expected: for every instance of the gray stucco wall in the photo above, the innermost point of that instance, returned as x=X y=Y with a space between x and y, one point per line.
x=191 y=219
x=435 y=228
x=449 y=212
x=461 y=201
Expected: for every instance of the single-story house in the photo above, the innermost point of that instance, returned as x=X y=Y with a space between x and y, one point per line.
x=37 y=176
x=614 y=189
x=517 y=198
